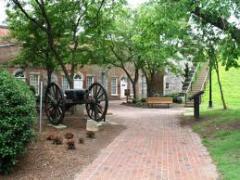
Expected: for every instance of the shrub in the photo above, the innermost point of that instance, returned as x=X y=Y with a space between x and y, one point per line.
x=134 y=101
x=176 y=98
x=17 y=115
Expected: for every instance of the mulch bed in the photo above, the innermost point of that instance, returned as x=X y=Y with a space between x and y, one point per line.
x=143 y=105
x=45 y=160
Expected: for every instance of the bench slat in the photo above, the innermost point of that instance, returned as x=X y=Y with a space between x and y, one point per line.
x=159 y=100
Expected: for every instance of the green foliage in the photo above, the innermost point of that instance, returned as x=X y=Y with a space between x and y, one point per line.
x=230 y=82
x=220 y=129
x=219 y=19
x=161 y=28
x=17 y=115
x=176 y=98
x=55 y=33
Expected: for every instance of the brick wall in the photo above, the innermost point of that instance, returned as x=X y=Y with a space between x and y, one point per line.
x=8 y=52
x=88 y=70
x=3 y=31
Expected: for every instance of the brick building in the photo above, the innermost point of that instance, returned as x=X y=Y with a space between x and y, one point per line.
x=113 y=79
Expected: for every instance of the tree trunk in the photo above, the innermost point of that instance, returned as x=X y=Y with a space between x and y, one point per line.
x=49 y=76
x=47 y=28
x=150 y=89
x=133 y=81
x=134 y=84
x=71 y=84
x=134 y=90
x=154 y=84
x=220 y=84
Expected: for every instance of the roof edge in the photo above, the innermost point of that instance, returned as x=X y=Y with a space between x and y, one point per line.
x=4 y=26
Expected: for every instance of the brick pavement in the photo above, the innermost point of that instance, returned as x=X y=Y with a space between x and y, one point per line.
x=153 y=147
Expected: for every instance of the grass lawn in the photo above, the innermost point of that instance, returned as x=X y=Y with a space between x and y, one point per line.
x=220 y=129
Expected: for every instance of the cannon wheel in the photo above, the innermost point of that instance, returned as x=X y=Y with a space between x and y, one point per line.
x=97 y=102
x=54 y=104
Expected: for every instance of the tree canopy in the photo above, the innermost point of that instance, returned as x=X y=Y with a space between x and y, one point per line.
x=77 y=32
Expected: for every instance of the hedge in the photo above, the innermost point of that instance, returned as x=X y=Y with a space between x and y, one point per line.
x=17 y=116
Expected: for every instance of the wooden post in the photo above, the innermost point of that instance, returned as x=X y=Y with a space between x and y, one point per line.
x=210 y=104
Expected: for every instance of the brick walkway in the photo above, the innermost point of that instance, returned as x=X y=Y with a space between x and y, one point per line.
x=153 y=147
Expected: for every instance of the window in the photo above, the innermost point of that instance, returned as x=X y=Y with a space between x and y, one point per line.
x=90 y=81
x=34 y=82
x=77 y=77
x=144 y=86
x=20 y=75
x=65 y=84
x=167 y=85
x=103 y=79
x=54 y=78
x=78 y=81
x=114 y=86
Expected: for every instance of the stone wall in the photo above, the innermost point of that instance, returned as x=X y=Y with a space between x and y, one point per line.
x=173 y=83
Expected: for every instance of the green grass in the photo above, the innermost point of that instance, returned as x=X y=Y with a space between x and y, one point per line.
x=220 y=129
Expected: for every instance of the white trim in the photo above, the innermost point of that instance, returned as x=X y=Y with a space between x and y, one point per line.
x=122 y=89
x=38 y=81
x=116 y=86
x=79 y=73
x=68 y=86
x=20 y=78
x=93 y=78
x=78 y=81
x=164 y=85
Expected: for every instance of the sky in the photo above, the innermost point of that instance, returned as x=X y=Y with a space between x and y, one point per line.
x=132 y=4
x=2 y=11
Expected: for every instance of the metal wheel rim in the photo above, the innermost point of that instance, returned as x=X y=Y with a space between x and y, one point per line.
x=54 y=104
x=97 y=102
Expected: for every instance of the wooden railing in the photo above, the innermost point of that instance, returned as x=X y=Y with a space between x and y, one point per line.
x=192 y=79
x=191 y=82
x=205 y=82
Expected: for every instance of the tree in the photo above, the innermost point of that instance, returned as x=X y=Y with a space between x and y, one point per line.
x=161 y=27
x=34 y=51
x=62 y=25
x=222 y=15
x=117 y=45
x=214 y=62
x=219 y=16
x=209 y=40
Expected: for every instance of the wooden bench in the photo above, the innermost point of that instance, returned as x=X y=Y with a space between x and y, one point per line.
x=159 y=100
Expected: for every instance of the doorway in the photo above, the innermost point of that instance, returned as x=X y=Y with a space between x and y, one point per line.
x=78 y=81
x=124 y=86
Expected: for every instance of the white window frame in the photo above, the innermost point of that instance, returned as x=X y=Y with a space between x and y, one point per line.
x=20 y=78
x=74 y=79
x=37 y=89
x=103 y=79
x=87 y=82
x=114 y=94
x=144 y=86
x=64 y=80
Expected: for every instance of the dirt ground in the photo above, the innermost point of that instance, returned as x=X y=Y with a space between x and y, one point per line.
x=48 y=161
x=209 y=129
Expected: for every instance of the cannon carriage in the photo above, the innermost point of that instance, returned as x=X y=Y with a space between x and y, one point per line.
x=58 y=102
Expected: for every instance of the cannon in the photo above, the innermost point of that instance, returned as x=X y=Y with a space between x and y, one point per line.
x=58 y=102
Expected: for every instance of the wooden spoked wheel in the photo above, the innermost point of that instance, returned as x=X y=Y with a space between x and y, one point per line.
x=97 y=102
x=54 y=104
